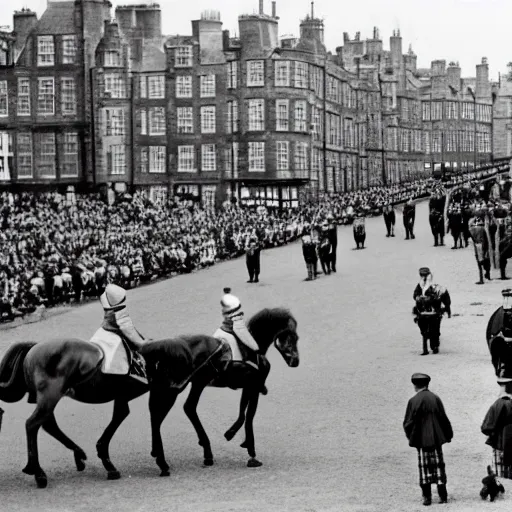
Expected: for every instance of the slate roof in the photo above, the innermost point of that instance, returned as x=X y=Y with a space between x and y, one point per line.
x=57 y=19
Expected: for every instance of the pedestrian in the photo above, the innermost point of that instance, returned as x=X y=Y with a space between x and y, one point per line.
x=432 y=301
x=252 y=255
x=409 y=216
x=389 y=218
x=332 y=234
x=310 y=256
x=427 y=428
x=497 y=425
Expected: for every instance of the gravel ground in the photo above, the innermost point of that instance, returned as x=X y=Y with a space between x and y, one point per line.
x=329 y=432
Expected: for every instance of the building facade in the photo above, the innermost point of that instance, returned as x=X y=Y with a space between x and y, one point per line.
x=92 y=102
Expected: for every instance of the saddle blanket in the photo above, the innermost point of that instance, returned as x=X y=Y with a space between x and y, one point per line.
x=115 y=360
x=231 y=341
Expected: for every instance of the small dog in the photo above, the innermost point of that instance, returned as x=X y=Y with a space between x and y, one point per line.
x=492 y=486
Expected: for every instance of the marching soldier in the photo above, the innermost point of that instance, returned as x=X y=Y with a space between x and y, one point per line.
x=409 y=216
x=481 y=245
x=388 y=212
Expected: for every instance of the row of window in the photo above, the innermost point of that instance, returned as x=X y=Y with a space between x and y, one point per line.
x=45 y=99
x=437 y=110
x=453 y=141
x=152 y=159
x=46 y=54
x=37 y=153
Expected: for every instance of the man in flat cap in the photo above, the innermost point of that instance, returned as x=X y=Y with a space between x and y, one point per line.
x=432 y=301
x=497 y=425
x=427 y=428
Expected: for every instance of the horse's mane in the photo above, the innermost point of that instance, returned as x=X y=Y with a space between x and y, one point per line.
x=265 y=324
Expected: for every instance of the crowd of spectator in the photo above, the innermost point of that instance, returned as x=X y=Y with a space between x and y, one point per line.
x=57 y=249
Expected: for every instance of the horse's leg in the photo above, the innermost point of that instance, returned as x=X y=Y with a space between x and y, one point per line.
x=121 y=412
x=160 y=403
x=190 y=408
x=249 y=430
x=244 y=402
x=46 y=403
x=51 y=427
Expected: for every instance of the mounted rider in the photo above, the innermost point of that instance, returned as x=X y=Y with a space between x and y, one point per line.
x=500 y=336
x=432 y=301
x=247 y=360
x=117 y=322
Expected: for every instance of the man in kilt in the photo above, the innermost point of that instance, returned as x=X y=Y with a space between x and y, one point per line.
x=427 y=428
x=497 y=425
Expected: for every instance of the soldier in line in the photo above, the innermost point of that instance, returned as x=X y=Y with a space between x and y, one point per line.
x=252 y=256
x=388 y=212
x=409 y=216
x=481 y=245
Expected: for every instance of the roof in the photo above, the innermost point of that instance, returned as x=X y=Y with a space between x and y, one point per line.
x=59 y=18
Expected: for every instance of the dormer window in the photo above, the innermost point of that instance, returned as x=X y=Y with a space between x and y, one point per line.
x=183 y=57
x=111 y=59
x=45 y=51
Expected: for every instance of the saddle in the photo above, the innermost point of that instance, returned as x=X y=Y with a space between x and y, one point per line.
x=239 y=353
x=118 y=358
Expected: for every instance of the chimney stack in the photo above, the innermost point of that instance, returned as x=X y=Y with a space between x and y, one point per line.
x=274 y=9
x=261 y=6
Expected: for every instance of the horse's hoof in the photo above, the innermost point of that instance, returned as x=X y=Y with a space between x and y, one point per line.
x=254 y=463
x=41 y=481
x=244 y=445
x=80 y=459
x=28 y=470
x=229 y=435
x=479 y=282
x=208 y=462
x=113 y=475
x=165 y=472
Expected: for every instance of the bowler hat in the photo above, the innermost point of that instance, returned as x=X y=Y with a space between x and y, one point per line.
x=420 y=379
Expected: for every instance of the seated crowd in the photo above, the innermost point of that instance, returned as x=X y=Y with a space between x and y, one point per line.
x=55 y=249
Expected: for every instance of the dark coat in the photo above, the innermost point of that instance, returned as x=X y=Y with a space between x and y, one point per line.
x=426 y=424
x=498 y=416
x=309 y=253
x=435 y=299
x=409 y=214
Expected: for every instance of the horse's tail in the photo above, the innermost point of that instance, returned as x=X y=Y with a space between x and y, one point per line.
x=12 y=378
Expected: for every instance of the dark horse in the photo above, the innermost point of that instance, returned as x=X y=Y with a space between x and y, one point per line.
x=71 y=367
x=164 y=358
x=499 y=327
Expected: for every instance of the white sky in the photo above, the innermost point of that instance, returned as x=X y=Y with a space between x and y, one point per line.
x=461 y=30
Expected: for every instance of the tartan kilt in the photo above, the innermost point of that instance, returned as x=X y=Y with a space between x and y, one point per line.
x=431 y=466
x=500 y=469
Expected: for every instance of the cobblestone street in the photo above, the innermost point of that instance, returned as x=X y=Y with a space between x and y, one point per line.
x=329 y=433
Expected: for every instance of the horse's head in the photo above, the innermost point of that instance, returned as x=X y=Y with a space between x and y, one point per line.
x=276 y=326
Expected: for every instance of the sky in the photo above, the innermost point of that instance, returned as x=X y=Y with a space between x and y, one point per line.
x=454 y=30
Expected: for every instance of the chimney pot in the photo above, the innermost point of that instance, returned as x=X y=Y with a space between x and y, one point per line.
x=261 y=6
x=273 y=9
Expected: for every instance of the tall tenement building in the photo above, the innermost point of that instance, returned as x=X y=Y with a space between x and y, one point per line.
x=95 y=102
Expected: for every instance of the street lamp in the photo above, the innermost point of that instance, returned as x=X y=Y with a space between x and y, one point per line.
x=470 y=90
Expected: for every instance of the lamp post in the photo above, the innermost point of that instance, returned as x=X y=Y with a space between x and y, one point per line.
x=470 y=90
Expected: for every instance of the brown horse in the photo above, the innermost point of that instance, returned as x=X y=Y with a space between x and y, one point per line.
x=165 y=358
x=71 y=367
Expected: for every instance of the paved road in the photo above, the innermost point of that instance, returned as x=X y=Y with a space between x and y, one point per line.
x=329 y=432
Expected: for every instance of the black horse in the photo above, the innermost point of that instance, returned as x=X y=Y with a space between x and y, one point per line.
x=167 y=358
x=499 y=327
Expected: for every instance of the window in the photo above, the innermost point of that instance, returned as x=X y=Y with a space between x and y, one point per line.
x=471 y=140
x=301 y=75
x=426 y=111
x=6 y=153
x=405 y=109
x=144 y=160
x=142 y=120
x=4 y=100
x=68 y=96
x=207 y=86
x=46 y=96
x=156 y=86
x=23 y=96
x=186 y=158
x=232 y=119
x=184 y=86
x=232 y=74
x=256 y=109
x=437 y=110
x=299 y=115
x=301 y=156
x=115 y=85
x=451 y=141
x=69 y=49
x=468 y=110
x=405 y=140
x=117 y=159
x=208 y=157
x=157 y=159
x=484 y=142
x=158 y=194
x=185 y=119
x=24 y=151
x=436 y=142
x=208 y=119
x=69 y=164
x=349 y=133
x=111 y=59
x=392 y=138
x=157 y=121
x=256 y=156
x=282 y=123
x=334 y=130
x=451 y=110
x=46 y=158
x=282 y=73
x=282 y=163
x=45 y=51
x=255 y=73
x=114 y=122
x=183 y=57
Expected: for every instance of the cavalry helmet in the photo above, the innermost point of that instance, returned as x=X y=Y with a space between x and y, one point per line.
x=112 y=297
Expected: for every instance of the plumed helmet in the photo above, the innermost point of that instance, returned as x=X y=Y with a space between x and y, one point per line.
x=113 y=296
x=229 y=302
